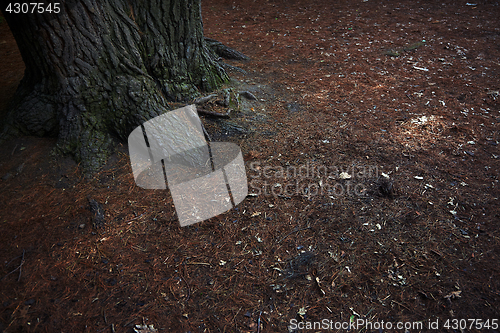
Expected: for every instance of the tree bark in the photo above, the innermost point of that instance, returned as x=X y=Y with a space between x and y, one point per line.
x=99 y=68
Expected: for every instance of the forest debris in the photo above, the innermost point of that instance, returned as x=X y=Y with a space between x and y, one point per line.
x=317 y=280
x=215 y=114
x=300 y=264
x=354 y=312
x=248 y=95
x=20 y=267
x=344 y=175
x=493 y=93
x=453 y=294
x=291 y=232
x=398 y=52
x=421 y=120
x=386 y=187
x=145 y=329
x=227 y=97
x=204 y=99
x=97 y=211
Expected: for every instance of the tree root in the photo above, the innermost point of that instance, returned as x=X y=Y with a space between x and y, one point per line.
x=215 y=114
x=224 y=51
x=227 y=66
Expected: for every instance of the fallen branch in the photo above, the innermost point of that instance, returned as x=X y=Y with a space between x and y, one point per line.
x=20 y=267
x=203 y=100
x=258 y=322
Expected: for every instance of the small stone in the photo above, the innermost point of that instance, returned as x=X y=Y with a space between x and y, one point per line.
x=20 y=168
x=30 y=302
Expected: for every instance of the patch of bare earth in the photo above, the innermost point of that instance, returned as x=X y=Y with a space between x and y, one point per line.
x=373 y=170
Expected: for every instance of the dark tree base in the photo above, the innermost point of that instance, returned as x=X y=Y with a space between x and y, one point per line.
x=100 y=68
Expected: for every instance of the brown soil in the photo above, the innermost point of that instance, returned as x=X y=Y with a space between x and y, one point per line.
x=349 y=86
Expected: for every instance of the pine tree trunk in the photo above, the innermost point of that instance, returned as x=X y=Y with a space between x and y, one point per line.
x=100 y=68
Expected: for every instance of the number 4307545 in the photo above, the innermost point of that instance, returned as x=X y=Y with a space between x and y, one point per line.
x=33 y=7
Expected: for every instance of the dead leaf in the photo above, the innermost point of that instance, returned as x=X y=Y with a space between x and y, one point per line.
x=454 y=294
x=145 y=329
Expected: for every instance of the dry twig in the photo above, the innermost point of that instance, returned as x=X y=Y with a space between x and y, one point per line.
x=292 y=233
x=20 y=267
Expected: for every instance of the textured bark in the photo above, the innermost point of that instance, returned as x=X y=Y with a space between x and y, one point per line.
x=100 y=68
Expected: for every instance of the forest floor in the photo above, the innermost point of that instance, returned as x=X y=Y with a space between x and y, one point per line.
x=372 y=156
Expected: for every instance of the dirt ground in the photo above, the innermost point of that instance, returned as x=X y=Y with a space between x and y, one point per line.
x=373 y=165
